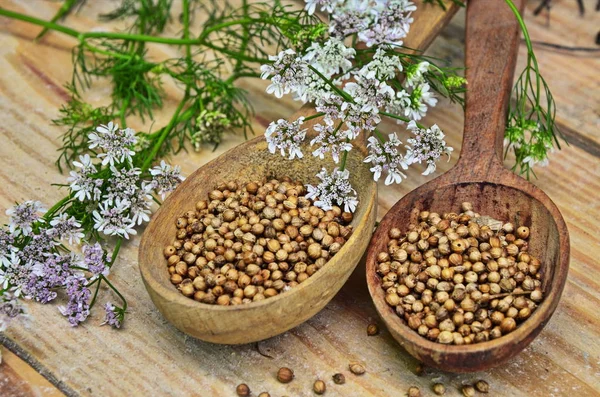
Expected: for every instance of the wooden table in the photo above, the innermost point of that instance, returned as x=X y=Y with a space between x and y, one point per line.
x=150 y=357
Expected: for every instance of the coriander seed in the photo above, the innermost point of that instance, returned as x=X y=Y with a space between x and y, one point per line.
x=460 y=278
x=339 y=379
x=356 y=368
x=319 y=387
x=251 y=241
x=468 y=391
x=242 y=390
x=372 y=329
x=482 y=386
x=285 y=375
x=439 y=389
x=414 y=391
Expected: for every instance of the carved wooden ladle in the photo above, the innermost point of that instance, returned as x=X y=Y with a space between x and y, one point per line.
x=492 y=39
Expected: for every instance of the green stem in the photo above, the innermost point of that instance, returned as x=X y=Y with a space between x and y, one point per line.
x=314 y=116
x=343 y=163
x=93 y=302
x=201 y=40
x=186 y=30
x=116 y=292
x=164 y=134
x=50 y=213
x=340 y=92
x=406 y=119
x=116 y=251
x=40 y=22
x=62 y=11
x=530 y=54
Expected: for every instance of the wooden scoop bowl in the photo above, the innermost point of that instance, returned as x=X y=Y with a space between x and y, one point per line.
x=252 y=161
x=492 y=39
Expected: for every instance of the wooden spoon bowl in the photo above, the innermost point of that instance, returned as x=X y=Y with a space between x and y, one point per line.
x=251 y=161
x=480 y=178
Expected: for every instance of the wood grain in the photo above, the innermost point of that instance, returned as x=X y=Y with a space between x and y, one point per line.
x=150 y=356
x=18 y=379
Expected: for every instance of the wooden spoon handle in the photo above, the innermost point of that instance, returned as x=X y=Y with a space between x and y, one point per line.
x=492 y=41
x=428 y=22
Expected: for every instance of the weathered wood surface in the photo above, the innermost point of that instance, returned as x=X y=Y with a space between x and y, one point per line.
x=150 y=356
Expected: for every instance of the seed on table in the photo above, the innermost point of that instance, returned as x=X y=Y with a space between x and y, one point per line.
x=468 y=391
x=264 y=394
x=482 y=386
x=285 y=375
x=414 y=391
x=339 y=379
x=319 y=387
x=372 y=329
x=242 y=390
x=439 y=389
x=420 y=369
x=356 y=369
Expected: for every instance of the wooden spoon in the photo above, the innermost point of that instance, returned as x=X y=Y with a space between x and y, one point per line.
x=252 y=161
x=492 y=38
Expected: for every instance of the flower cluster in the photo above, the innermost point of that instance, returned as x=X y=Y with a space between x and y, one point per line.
x=334 y=189
x=352 y=88
x=10 y=308
x=374 y=22
x=122 y=200
x=427 y=146
x=37 y=265
x=36 y=260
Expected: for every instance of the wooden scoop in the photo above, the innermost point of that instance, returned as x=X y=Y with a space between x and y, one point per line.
x=492 y=39
x=252 y=161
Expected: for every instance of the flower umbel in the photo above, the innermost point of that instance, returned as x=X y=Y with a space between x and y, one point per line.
x=333 y=189
x=114 y=315
x=22 y=216
x=352 y=89
x=286 y=137
x=427 y=146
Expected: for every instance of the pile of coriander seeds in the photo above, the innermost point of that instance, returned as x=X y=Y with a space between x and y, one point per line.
x=460 y=278
x=253 y=241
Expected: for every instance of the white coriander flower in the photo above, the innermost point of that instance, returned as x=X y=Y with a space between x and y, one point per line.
x=165 y=178
x=22 y=216
x=66 y=228
x=140 y=205
x=113 y=220
x=370 y=94
x=287 y=68
x=427 y=146
x=116 y=143
x=330 y=141
x=7 y=240
x=414 y=73
x=382 y=67
x=286 y=136
x=332 y=57
x=391 y=23
x=326 y=5
x=384 y=156
x=420 y=97
x=122 y=184
x=334 y=189
x=15 y=275
x=81 y=181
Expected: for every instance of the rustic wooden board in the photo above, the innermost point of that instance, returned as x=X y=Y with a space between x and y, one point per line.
x=150 y=356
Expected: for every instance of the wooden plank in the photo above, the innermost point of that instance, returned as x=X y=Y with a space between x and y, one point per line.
x=19 y=379
x=149 y=356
